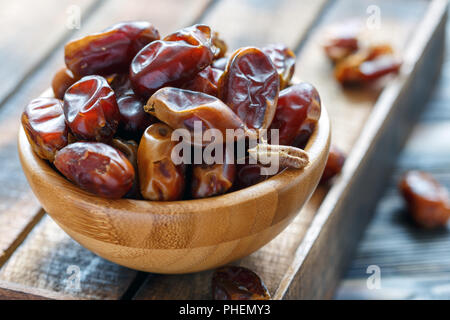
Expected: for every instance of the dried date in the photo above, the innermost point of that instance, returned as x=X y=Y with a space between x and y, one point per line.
x=249 y=86
x=180 y=109
x=109 y=51
x=91 y=110
x=129 y=148
x=297 y=113
x=367 y=66
x=160 y=179
x=133 y=119
x=177 y=58
x=284 y=61
x=205 y=81
x=428 y=201
x=238 y=283
x=213 y=179
x=342 y=40
x=97 y=168
x=45 y=127
x=62 y=80
x=333 y=167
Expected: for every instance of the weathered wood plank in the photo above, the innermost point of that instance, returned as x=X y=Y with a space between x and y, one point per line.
x=49 y=260
x=22 y=45
x=19 y=209
x=13 y=291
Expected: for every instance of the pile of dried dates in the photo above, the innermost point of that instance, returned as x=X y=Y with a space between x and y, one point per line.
x=125 y=93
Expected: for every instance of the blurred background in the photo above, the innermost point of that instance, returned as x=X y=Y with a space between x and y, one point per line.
x=413 y=263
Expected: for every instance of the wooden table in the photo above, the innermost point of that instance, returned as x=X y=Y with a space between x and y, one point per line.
x=38 y=260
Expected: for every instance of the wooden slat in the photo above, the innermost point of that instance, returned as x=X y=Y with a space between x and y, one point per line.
x=23 y=44
x=14 y=291
x=19 y=209
x=43 y=260
x=272 y=260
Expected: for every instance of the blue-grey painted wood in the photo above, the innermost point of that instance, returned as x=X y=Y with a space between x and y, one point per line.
x=414 y=263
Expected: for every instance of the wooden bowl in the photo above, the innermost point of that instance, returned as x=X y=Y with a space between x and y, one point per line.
x=179 y=236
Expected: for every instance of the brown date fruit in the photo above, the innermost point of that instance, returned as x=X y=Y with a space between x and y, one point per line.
x=284 y=61
x=342 y=40
x=129 y=148
x=198 y=34
x=249 y=86
x=428 y=201
x=249 y=174
x=91 y=110
x=45 y=127
x=238 y=283
x=179 y=57
x=62 y=80
x=160 y=179
x=180 y=109
x=220 y=63
x=333 y=167
x=213 y=179
x=367 y=66
x=97 y=168
x=109 y=51
x=205 y=81
x=220 y=44
x=133 y=119
x=297 y=113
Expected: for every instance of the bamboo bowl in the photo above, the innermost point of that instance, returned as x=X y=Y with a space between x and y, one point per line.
x=179 y=236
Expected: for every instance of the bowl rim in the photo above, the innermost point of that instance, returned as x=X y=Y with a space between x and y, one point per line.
x=42 y=170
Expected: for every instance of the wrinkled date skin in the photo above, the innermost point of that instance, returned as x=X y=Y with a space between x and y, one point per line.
x=97 y=168
x=129 y=148
x=180 y=109
x=178 y=57
x=284 y=61
x=160 y=179
x=91 y=110
x=213 y=179
x=109 y=51
x=238 y=283
x=297 y=113
x=333 y=167
x=249 y=86
x=133 y=119
x=198 y=34
x=45 y=127
x=428 y=201
x=205 y=81
x=62 y=80
x=367 y=66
